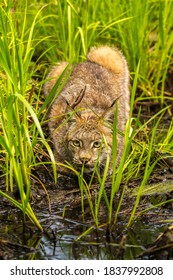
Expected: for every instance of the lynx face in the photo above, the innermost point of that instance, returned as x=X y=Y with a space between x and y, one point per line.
x=86 y=145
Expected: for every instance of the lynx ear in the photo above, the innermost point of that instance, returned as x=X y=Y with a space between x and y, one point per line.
x=75 y=115
x=108 y=115
x=78 y=99
x=72 y=114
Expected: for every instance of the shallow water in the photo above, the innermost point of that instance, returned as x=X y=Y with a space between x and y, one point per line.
x=59 y=240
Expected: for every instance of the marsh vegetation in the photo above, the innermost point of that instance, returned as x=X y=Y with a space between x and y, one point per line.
x=34 y=36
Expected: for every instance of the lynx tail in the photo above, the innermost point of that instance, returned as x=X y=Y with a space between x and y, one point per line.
x=108 y=57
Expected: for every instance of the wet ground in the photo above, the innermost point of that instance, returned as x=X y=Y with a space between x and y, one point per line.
x=150 y=237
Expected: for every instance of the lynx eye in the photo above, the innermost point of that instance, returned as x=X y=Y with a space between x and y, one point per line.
x=76 y=143
x=97 y=144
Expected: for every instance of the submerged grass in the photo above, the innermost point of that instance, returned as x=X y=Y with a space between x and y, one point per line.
x=37 y=34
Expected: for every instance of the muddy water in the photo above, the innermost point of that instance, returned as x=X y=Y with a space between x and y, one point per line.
x=20 y=240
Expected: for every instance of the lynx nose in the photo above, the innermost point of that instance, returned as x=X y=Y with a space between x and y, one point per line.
x=84 y=157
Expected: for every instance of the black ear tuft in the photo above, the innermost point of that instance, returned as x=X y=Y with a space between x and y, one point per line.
x=108 y=115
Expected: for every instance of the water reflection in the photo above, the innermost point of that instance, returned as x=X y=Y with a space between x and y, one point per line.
x=59 y=238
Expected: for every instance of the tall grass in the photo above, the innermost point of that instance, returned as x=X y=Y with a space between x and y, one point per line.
x=36 y=34
x=142 y=29
x=17 y=137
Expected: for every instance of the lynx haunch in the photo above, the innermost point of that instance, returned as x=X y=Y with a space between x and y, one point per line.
x=81 y=117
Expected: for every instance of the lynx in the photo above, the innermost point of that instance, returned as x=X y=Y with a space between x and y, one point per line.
x=81 y=117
